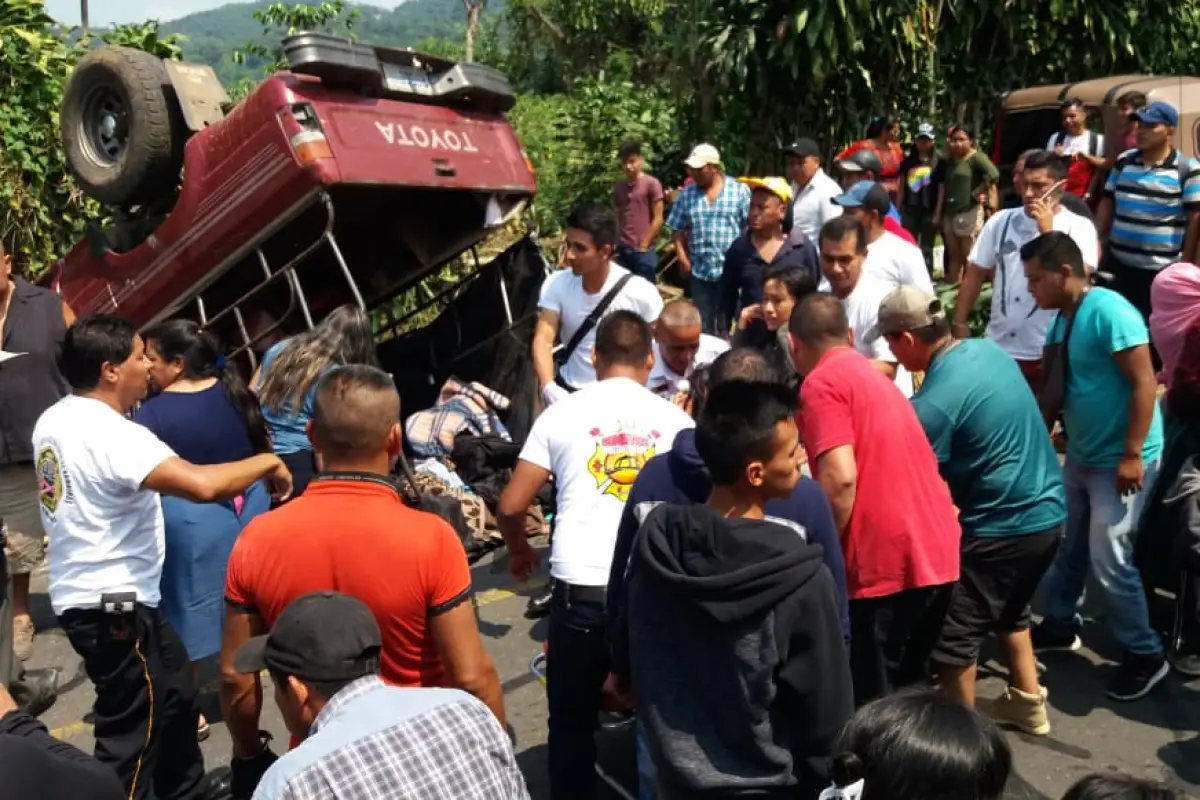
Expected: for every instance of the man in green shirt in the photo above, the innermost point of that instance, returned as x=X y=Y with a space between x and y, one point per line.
x=993 y=450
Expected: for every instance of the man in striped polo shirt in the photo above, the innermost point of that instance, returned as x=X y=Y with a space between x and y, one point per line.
x=1151 y=206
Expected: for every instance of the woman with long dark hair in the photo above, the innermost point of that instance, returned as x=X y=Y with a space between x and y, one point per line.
x=286 y=382
x=205 y=413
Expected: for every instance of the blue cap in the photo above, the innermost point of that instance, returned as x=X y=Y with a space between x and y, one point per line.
x=866 y=194
x=1158 y=113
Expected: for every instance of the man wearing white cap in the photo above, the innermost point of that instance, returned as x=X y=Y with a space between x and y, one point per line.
x=707 y=216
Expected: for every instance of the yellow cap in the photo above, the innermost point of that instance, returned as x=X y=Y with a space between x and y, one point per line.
x=776 y=186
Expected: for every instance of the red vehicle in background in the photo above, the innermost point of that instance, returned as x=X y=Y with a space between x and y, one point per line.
x=348 y=178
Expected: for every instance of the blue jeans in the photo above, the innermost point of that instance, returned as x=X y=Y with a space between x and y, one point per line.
x=1100 y=528
x=707 y=297
x=639 y=262
x=576 y=666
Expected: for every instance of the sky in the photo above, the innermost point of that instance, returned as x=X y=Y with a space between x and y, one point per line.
x=107 y=12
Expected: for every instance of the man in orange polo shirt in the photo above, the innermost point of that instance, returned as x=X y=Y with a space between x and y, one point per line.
x=349 y=532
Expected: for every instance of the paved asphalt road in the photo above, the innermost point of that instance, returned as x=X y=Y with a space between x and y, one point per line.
x=1157 y=737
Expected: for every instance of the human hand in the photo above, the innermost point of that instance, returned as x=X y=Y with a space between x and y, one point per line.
x=1058 y=150
x=279 y=482
x=1042 y=212
x=685 y=268
x=618 y=695
x=1130 y=475
x=749 y=314
x=937 y=222
x=960 y=330
x=522 y=561
x=682 y=400
x=552 y=393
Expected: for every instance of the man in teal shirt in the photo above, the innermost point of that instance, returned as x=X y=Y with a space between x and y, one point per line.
x=1114 y=440
x=992 y=449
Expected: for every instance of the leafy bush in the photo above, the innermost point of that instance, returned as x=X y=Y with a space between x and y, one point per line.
x=573 y=139
x=977 y=321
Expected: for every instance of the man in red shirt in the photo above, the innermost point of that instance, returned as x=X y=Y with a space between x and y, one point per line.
x=893 y=512
x=349 y=532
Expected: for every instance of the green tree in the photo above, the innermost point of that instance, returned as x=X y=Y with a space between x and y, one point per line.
x=284 y=19
x=147 y=36
x=43 y=212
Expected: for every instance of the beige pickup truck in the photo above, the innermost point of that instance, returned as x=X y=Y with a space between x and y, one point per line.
x=1027 y=118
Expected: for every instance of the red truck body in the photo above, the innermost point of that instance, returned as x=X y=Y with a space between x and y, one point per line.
x=290 y=145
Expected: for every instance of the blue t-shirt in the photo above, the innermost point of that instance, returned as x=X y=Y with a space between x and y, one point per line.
x=173 y=416
x=1096 y=410
x=991 y=442
x=288 y=430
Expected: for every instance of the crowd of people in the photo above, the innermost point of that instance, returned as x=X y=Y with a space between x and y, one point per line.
x=788 y=510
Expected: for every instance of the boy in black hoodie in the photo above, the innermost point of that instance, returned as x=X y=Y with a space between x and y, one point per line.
x=729 y=637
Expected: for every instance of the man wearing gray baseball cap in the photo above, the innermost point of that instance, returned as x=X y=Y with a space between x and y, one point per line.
x=987 y=432
x=323 y=657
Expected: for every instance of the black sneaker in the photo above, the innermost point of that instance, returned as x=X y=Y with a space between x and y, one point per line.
x=1137 y=675
x=1049 y=640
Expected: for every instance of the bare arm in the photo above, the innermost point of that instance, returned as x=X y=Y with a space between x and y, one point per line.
x=968 y=292
x=1190 y=237
x=241 y=695
x=469 y=667
x=68 y=314
x=215 y=482
x=1138 y=370
x=543 y=346
x=937 y=209
x=685 y=261
x=656 y=223
x=256 y=379
x=1104 y=214
x=838 y=473
x=527 y=480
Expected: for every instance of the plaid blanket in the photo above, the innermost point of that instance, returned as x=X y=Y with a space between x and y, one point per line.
x=460 y=407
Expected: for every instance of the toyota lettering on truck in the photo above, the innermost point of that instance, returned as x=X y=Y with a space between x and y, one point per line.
x=348 y=178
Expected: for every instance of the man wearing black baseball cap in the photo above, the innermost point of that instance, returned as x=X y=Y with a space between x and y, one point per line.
x=812 y=190
x=323 y=657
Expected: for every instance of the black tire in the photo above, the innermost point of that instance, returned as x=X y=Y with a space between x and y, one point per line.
x=137 y=158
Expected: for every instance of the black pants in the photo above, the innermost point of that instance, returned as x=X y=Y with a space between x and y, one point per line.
x=1134 y=285
x=577 y=665
x=146 y=711
x=892 y=638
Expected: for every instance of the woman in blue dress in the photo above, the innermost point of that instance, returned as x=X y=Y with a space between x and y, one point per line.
x=206 y=414
x=286 y=382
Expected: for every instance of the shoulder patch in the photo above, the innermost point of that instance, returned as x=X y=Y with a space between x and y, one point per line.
x=53 y=486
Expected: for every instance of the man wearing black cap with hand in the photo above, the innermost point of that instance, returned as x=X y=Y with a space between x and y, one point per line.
x=812 y=190
x=323 y=657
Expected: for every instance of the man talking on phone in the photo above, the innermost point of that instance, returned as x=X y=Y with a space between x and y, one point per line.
x=1016 y=324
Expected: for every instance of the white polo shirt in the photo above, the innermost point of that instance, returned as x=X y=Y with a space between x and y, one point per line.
x=813 y=206
x=1016 y=323
x=664 y=381
x=862 y=311
x=595 y=442
x=106 y=532
x=563 y=294
x=896 y=262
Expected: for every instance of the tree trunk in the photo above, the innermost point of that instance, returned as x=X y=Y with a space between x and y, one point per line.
x=474 y=9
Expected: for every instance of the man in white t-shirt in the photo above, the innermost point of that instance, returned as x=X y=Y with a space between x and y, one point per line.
x=1080 y=148
x=594 y=443
x=843 y=259
x=1016 y=323
x=890 y=259
x=100 y=476
x=571 y=295
x=680 y=347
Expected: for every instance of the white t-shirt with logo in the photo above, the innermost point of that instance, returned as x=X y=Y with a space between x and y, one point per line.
x=664 y=381
x=862 y=311
x=1077 y=144
x=1016 y=323
x=595 y=442
x=563 y=294
x=894 y=261
x=106 y=532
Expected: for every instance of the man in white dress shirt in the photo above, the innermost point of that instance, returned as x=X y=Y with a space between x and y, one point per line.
x=812 y=189
x=680 y=347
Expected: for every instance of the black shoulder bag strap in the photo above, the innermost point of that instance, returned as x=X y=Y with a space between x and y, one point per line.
x=564 y=355
x=1056 y=368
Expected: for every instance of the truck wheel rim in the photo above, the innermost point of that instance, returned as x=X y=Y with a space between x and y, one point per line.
x=105 y=125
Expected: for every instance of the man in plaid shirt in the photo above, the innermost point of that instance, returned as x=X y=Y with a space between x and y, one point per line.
x=363 y=738
x=707 y=216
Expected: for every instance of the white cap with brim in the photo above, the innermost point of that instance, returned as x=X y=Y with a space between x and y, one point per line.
x=702 y=155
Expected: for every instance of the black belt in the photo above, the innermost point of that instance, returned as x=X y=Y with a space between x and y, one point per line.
x=581 y=594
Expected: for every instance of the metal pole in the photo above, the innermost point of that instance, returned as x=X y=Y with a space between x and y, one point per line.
x=83 y=17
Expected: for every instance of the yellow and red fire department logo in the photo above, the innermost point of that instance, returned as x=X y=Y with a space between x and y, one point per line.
x=618 y=459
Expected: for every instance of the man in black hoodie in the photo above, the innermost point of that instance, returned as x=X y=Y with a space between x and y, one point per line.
x=730 y=634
